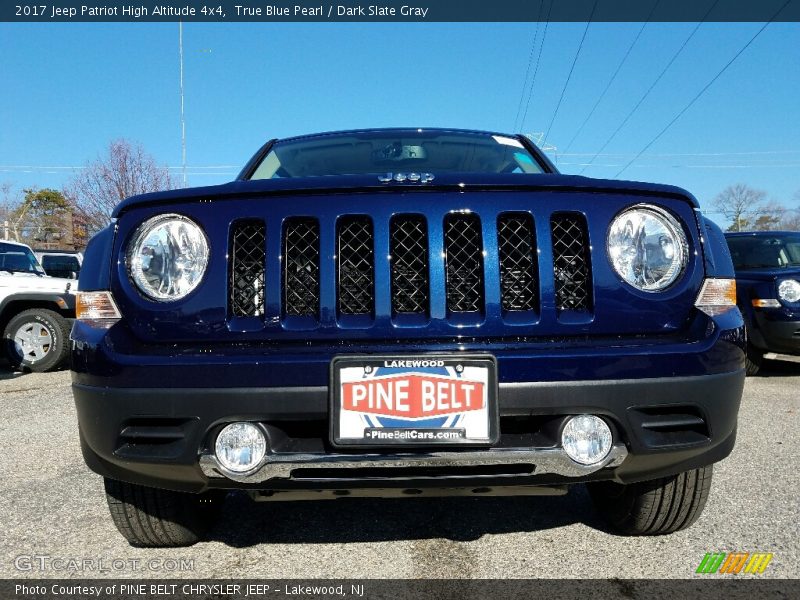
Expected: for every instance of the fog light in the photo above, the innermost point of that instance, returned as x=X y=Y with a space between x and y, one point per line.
x=240 y=447
x=586 y=439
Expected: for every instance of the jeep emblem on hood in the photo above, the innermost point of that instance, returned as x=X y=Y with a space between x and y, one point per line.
x=401 y=177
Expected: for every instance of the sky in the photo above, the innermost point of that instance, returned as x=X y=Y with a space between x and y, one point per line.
x=68 y=89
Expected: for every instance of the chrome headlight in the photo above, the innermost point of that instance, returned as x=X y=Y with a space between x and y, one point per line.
x=789 y=291
x=647 y=247
x=167 y=257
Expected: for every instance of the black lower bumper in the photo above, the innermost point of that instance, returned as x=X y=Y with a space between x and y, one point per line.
x=776 y=336
x=163 y=437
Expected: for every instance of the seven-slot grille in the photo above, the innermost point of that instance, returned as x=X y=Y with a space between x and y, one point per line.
x=410 y=266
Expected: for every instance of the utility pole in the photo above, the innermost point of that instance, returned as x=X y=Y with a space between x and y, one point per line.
x=183 y=120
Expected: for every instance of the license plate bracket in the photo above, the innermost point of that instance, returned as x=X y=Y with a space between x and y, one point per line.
x=413 y=401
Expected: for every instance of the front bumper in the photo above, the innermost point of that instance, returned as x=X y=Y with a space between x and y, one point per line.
x=163 y=437
x=777 y=331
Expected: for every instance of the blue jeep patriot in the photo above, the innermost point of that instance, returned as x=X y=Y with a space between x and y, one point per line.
x=401 y=312
x=767 y=265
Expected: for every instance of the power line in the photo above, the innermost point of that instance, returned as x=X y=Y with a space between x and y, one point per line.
x=530 y=62
x=536 y=69
x=613 y=77
x=702 y=91
x=569 y=75
x=183 y=120
x=653 y=85
x=65 y=168
x=622 y=154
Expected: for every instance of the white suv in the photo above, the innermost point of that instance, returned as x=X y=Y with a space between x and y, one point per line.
x=35 y=310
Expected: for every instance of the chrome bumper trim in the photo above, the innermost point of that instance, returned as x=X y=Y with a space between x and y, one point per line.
x=542 y=460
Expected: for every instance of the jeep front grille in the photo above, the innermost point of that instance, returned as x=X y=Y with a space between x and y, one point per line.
x=408 y=264
x=247 y=268
x=519 y=273
x=463 y=247
x=571 y=268
x=409 y=256
x=301 y=267
x=355 y=266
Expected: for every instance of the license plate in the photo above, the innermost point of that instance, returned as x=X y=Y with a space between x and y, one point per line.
x=413 y=400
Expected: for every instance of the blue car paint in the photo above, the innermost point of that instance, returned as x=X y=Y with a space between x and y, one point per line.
x=630 y=334
x=769 y=329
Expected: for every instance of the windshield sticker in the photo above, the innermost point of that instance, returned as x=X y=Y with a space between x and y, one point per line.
x=506 y=141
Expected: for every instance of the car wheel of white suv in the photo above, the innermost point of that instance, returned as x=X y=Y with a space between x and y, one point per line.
x=37 y=340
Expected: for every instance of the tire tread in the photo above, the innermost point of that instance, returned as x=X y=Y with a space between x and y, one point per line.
x=150 y=517
x=655 y=507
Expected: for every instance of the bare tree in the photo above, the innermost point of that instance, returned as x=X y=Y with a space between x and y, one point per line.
x=770 y=216
x=10 y=200
x=791 y=220
x=740 y=203
x=126 y=170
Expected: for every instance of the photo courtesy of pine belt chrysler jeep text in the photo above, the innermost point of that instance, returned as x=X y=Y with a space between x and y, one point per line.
x=400 y=312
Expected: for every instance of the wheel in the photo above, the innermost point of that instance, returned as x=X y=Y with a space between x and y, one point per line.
x=37 y=340
x=653 y=507
x=753 y=359
x=153 y=518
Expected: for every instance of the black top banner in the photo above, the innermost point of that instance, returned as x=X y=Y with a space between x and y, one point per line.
x=422 y=11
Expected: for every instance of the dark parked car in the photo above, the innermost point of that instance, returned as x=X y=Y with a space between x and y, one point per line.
x=406 y=312
x=767 y=267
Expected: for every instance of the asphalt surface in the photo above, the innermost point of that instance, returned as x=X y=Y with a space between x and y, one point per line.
x=53 y=516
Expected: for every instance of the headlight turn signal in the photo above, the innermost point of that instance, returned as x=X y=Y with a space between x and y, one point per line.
x=717 y=296
x=95 y=306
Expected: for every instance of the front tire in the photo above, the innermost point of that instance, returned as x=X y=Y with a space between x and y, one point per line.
x=753 y=360
x=154 y=518
x=37 y=340
x=654 y=507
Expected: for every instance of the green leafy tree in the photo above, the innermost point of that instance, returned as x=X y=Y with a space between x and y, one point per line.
x=44 y=218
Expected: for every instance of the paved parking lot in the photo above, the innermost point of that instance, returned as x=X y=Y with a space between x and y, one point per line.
x=53 y=509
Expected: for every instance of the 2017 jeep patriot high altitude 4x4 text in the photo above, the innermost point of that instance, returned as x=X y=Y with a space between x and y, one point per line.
x=371 y=312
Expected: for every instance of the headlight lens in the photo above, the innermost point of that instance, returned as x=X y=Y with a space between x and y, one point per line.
x=789 y=290
x=647 y=248
x=167 y=257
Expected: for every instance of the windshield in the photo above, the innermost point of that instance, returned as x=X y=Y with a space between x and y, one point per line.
x=18 y=259
x=60 y=265
x=404 y=151
x=758 y=252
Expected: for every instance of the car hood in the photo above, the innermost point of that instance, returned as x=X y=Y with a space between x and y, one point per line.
x=768 y=274
x=370 y=183
x=21 y=282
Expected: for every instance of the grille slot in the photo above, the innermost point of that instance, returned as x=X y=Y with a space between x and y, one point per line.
x=247 y=268
x=519 y=273
x=301 y=267
x=409 y=250
x=356 y=266
x=571 y=266
x=463 y=246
